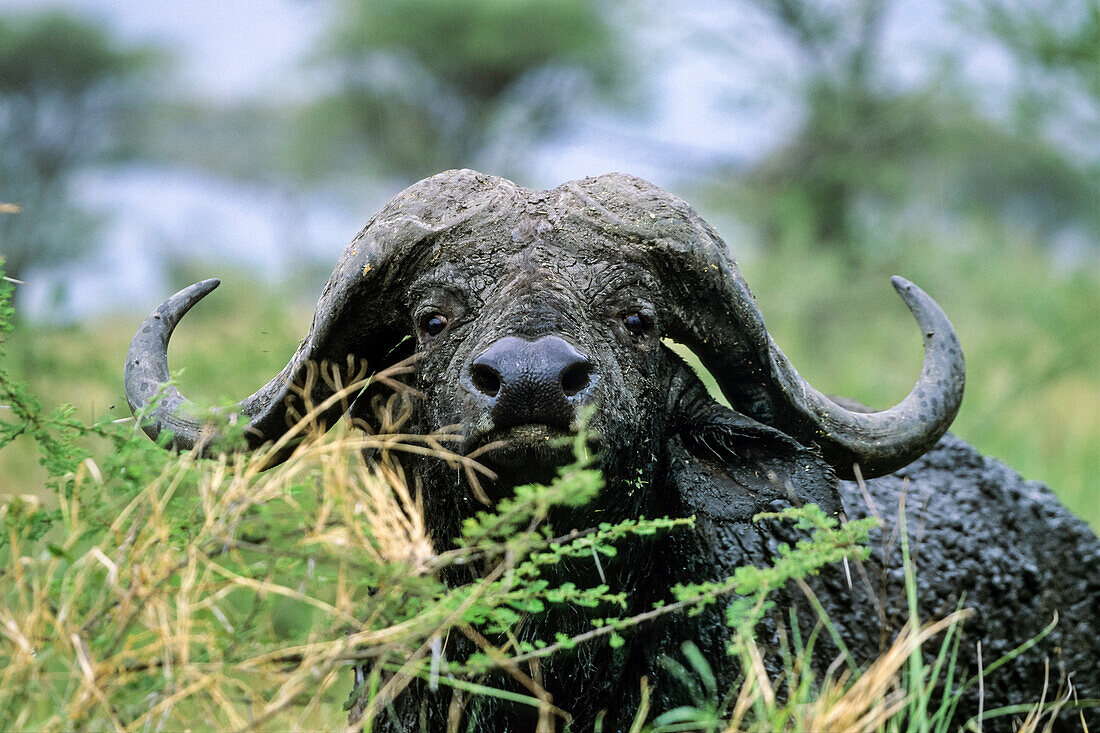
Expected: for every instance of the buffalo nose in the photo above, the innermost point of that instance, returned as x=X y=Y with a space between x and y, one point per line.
x=530 y=381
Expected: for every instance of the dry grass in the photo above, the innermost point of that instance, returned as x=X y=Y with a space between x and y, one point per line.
x=877 y=695
x=163 y=608
x=226 y=595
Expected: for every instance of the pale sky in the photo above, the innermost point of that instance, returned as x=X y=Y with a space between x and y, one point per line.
x=229 y=48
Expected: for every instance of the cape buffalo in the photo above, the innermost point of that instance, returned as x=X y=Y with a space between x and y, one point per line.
x=525 y=306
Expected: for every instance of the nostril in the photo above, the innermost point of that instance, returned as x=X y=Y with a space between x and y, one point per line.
x=575 y=377
x=485 y=379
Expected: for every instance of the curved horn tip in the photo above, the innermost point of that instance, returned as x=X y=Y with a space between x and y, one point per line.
x=923 y=307
x=146 y=368
x=200 y=290
x=882 y=442
x=907 y=290
x=173 y=309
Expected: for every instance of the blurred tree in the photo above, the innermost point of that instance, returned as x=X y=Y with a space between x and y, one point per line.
x=1056 y=45
x=867 y=146
x=855 y=133
x=435 y=84
x=65 y=85
x=1061 y=36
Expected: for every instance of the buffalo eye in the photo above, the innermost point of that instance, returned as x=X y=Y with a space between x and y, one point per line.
x=638 y=324
x=433 y=324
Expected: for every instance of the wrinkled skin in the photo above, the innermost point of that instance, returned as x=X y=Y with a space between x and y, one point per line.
x=533 y=292
x=483 y=279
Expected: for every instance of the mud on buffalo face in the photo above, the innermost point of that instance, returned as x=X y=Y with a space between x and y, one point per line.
x=527 y=306
x=518 y=337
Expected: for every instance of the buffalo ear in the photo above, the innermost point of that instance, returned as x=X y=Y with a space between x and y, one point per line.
x=728 y=467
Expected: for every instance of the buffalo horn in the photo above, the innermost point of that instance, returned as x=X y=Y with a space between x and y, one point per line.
x=753 y=373
x=708 y=307
x=360 y=317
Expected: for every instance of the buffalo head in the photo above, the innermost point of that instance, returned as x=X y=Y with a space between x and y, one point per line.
x=524 y=307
